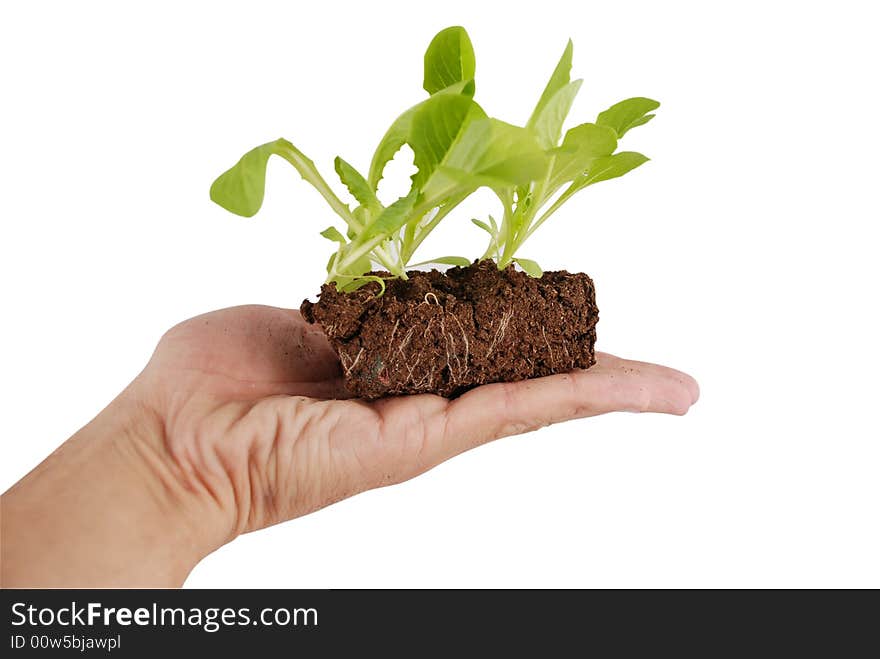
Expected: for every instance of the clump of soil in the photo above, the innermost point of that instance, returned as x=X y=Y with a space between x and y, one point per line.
x=444 y=333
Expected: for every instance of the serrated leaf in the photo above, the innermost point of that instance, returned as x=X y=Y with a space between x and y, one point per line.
x=449 y=60
x=628 y=114
x=560 y=78
x=332 y=233
x=531 y=268
x=446 y=260
x=548 y=124
x=398 y=133
x=391 y=218
x=357 y=185
x=240 y=189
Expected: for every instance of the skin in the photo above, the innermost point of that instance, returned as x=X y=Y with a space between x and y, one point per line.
x=240 y=421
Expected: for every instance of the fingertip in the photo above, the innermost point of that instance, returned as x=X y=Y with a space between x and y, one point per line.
x=687 y=383
x=692 y=386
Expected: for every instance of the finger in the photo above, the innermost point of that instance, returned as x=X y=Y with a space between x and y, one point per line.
x=613 y=384
x=629 y=366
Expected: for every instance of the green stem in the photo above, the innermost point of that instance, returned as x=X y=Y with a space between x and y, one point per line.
x=508 y=231
x=309 y=172
x=523 y=227
x=358 y=252
x=491 y=250
x=421 y=234
x=383 y=257
x=544 y=216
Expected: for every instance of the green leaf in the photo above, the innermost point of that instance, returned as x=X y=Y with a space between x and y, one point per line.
x=332 y=233
x=548 y=125
x=559 y=79
x=531 y=268
x=356 y=184
x=485 y=227
x=399 y=133
x=391 y=218
x=602 y=169
x=628 y=114
x=354 y=269
x=512 y=155
x=446 y=260
x=436 y=127
x=489 y=153
x=394 y=138
x=609 y=167
x=240 y=189
x=359 y=267
x=359 y=282
x=449 y=60
x=362 y=216
x=580 y=147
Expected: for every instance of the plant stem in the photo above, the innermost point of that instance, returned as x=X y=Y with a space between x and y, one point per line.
x=383 y=257
x=421 y=234
x=544 y=217
x=309 y=172
x=506 y=229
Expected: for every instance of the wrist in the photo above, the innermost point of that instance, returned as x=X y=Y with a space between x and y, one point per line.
x=108 y=508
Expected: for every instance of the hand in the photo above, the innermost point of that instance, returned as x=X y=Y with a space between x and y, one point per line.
x=240 y=420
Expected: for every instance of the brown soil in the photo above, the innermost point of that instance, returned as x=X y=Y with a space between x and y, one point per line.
x=444 y=333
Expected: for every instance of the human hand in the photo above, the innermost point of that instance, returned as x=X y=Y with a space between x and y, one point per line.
x=241 y=420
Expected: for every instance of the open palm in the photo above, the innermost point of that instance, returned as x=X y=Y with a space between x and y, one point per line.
x=257 y=418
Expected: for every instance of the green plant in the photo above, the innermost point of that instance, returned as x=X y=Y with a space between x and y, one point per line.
x=457 y=149
x=585 y=156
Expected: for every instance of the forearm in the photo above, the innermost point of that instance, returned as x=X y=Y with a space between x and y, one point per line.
x=105 y=509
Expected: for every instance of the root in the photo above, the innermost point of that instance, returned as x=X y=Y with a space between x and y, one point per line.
x=420 y=374
x=391 y=340
x=501 y=331
x=410 y=368
x=343 y=358
x=405 y=342
x=547 y=343
x=427 y=378
x=428 y=327
x=461 y=369
x=567 y=353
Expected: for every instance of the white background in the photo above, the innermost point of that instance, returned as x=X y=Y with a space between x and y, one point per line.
x=745 y=253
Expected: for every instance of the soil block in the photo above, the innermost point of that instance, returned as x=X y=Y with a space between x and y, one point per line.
x=446 y=332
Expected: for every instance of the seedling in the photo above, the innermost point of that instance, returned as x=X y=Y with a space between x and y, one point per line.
x=457 y=150
x=444 y=333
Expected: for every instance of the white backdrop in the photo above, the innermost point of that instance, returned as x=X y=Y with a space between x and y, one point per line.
x=743 y=253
